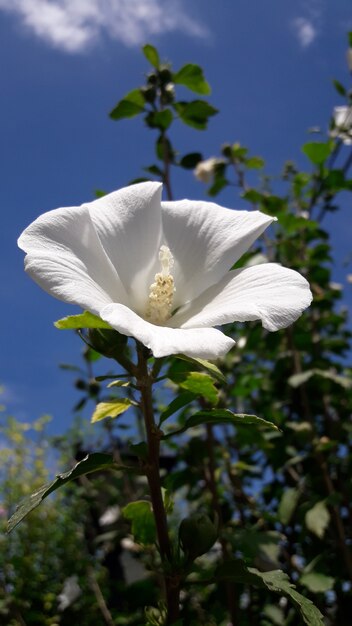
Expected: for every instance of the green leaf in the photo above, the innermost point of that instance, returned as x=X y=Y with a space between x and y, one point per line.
x=143 y=525
x=349 y=35
x=132 y=104
x=83 y=320
x=191 y=76
x=255 y=163
x=316 y=582
x=195 y=113
x=221 y=416
x=113 y=408
x=317 y=519
x=118 y=383
x=91 y=463
x=288 y=504
x=152 y=55
x=217 y=186
x=201 y=385
x=317 y=152
x=299 y=379
x=159 y=119
x=189 y=161
x=212 y=369
x=178 y=403
x=276 y=581
x=339 y=88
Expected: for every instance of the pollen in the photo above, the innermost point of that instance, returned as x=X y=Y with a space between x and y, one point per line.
x=161 y=291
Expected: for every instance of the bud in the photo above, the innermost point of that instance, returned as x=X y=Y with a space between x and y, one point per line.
x=109 y=343
x=197 y=534
x=149 y=93
x=165 y=75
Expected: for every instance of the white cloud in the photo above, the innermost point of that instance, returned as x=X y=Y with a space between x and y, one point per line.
x=305 y=30
x=75 y=25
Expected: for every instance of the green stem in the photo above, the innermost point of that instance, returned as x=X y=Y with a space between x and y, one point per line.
x=152 y=469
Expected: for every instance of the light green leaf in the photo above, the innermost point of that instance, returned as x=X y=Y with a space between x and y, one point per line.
x=83 y=320
x=221 y=416
x=143 y=525
x=255 y=163
x=191 y=76
x=113 y=408
x=118 y=383
x=132 y=104
x=288 y=504
x=299 y=379
x=276 y=581
x=317 y=519
x=91 y=463
x=152 y=55
x=212 y=369
x=201 y=385
x=316 y=582
x=317 y=152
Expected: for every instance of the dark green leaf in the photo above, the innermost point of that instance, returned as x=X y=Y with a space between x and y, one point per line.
x=164 y=149
x=191 y=76
x=151 y=54
x=189 y=161
x=217 y=186
x=195 y=113
x=142 y=518
x=276 y=581
x=178 y=403
x=349 y=35
x=91 y=463
x=82 y=320
x=339 y=88
x=159 y=119
x=132 y=104
x=221 y=416
x=154 y=169
x=317 y=152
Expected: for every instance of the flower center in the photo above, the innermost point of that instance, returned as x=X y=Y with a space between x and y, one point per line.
x=161 y=291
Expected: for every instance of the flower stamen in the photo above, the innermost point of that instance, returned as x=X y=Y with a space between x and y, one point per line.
x=161 y=291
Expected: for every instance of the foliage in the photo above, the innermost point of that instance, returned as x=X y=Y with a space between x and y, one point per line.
x=255 y=450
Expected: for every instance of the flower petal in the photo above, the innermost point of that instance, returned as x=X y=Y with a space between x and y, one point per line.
x=269 y=292
x=206 y=343
x=65 y=257
x=128 y=223
x=206 y=240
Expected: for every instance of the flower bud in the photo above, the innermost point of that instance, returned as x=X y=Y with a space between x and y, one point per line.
x=197 y=534
x=149 y=93
x=109 y=343
x=204 y=171
x=165 y=75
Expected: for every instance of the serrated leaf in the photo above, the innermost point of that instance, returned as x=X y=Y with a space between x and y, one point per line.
x=276 y=581
x=316 y=582
x=217 y=417
x=152 y=55
x=317 y=152
x=178 y=403
x=130 y=106
x=113 y=408
x=143 y=525
x=82 y=320
x=317 y=519
x=288 y=504
x=91 y=463
x=191 y=76
x=195 y=113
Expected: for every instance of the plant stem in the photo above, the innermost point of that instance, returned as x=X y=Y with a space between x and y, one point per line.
x=145 y=383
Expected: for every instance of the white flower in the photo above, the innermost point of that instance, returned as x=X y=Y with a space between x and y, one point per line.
x=342 y=117
x=204 y=170
x=160 y=271
x=70 y=592
x=110 y=516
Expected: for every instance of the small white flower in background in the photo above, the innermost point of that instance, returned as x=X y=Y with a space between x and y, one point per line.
x=70 y=592
x=349 y=278
x=342 y=117
x=204 y=170
x=161 y=271
x=110 y=516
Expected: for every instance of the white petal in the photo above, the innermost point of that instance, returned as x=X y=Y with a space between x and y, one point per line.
x=66 y=258
x=206 y=240
x=206 y=343
x=128 y=223
x=269 y=292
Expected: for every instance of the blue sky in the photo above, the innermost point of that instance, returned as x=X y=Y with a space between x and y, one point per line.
x=66 y=63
